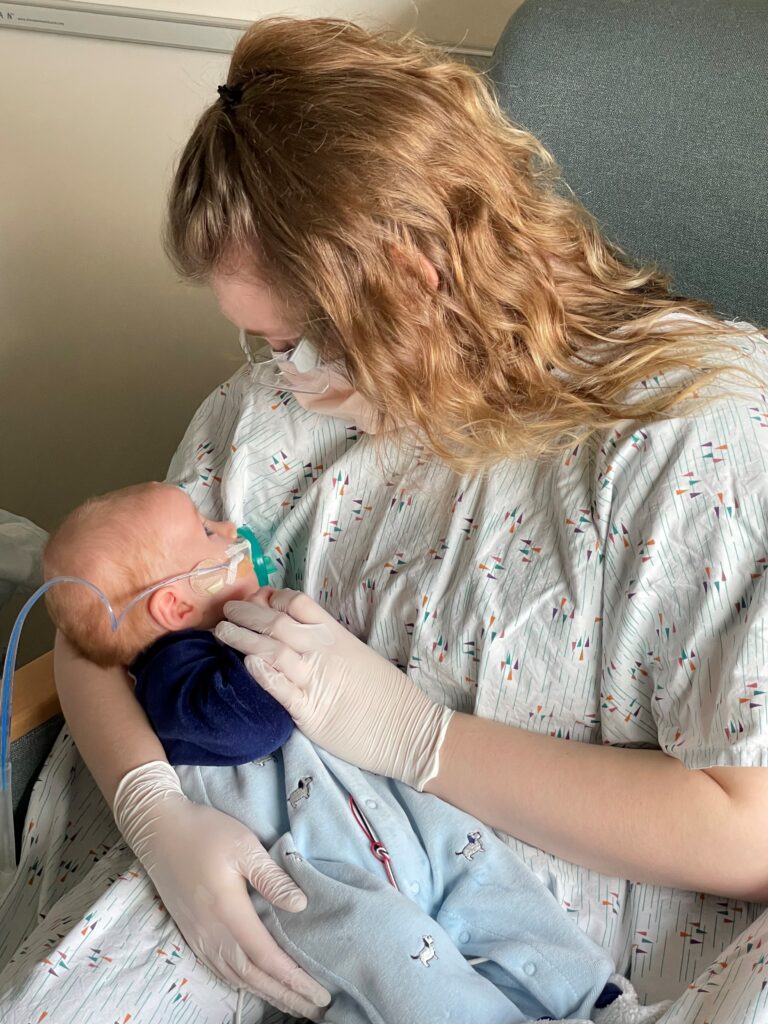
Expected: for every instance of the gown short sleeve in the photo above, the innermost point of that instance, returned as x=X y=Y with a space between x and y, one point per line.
x=684 y=511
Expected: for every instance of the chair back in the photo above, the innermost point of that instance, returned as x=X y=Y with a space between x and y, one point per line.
x=657 y=113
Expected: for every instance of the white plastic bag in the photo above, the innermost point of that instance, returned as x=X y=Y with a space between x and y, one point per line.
x=21 y=550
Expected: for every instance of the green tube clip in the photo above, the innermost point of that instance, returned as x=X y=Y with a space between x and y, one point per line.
x=263 y=565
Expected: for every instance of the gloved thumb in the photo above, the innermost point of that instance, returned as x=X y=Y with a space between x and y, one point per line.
x=276 y=684
x=269 y=879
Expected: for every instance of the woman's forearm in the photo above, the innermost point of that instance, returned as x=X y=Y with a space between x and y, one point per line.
x=106 y=721
x=637 y=814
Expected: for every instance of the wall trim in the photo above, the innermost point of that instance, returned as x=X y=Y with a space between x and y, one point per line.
x=152 y=28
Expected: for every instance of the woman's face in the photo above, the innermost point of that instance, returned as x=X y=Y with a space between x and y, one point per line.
x=252 y=305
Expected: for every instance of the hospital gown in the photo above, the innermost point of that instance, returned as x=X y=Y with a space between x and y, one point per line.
x=616 y=594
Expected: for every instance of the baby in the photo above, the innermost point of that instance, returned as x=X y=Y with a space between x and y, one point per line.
x=403 y=889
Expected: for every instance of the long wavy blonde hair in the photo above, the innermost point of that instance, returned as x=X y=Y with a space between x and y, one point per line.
x=336 y=158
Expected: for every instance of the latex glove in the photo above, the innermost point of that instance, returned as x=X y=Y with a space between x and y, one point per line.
x=342 y=695
x=199 y=859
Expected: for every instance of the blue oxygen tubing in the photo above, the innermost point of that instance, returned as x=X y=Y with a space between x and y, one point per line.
x=263 y=568
x=7 y=833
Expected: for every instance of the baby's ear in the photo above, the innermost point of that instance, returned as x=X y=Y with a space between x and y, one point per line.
x=172 y=610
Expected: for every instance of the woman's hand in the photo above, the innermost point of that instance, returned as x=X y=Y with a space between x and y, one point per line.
x=341 y=694
x=199 y=860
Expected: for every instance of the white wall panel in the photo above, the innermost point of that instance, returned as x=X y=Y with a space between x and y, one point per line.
x=477 y=23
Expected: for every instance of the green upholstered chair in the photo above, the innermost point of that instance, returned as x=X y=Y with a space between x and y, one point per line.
x=657 y=113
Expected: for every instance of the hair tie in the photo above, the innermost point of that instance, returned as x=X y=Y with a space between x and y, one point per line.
x=230 y=94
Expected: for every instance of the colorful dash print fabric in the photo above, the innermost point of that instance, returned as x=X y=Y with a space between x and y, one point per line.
x=614 y=595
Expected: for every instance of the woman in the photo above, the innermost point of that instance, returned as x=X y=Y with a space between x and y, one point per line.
x=372 y=197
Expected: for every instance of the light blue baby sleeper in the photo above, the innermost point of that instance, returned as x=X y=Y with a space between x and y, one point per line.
x=392 y=957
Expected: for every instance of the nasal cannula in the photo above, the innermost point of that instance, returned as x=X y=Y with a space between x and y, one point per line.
x=207 y=576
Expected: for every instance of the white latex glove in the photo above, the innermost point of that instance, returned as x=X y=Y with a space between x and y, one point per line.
x=341 y=694
x=199 y=859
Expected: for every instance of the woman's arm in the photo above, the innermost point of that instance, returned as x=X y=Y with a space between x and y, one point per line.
x=198 y=857
x=638 y=814
x=106 y=721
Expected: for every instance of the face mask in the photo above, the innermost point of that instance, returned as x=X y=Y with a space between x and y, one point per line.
x=318 y=386
x=341 y=400
x=298 y=369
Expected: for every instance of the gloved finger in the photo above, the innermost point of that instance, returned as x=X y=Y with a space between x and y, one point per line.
x=248 y=642
x=271 y=647
x=285 y=692
x=269 y=879
x=220 y=968
x=239 y=972
x=299 y=606
x=278 y=994
x=279 y=976
x=302 y=637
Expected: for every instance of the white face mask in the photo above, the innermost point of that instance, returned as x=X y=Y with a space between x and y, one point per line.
x=298 y=369
x=341 y=400
x=318 y=386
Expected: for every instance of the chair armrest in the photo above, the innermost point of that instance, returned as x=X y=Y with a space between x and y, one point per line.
x=34 y=696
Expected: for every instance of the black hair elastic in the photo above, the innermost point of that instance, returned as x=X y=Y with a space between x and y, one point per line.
x=230 y=94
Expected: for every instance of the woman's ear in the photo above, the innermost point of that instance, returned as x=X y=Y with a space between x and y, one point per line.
x=430 y=270
x=171 y=611
x=426 y=266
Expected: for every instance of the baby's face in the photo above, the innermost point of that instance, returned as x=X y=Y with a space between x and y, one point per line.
x=195 y=539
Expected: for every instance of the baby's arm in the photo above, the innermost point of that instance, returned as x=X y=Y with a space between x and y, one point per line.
x=203 y=703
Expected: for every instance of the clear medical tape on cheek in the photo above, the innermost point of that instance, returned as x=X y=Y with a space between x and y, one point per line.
x=218 y=574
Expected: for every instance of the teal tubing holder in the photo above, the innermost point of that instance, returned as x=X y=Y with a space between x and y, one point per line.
x=263 y=565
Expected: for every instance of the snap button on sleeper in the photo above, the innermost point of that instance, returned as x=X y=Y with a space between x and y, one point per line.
x=529 y=968
x=415 y=887
x=464 y=937
x=372 y=804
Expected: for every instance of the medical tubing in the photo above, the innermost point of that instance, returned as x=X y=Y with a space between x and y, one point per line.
x=7 y=835
x=10 y=664
x=7 y=832
x=263 y=567
x=115 y=621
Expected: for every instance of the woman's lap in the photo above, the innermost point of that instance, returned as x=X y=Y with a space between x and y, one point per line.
x=84 y=934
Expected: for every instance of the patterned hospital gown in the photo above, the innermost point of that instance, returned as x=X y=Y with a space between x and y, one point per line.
x=615 y=595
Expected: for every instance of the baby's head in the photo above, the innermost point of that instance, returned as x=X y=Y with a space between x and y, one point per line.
x=124 y=542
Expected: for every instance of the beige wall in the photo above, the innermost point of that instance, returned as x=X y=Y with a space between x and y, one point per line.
x=104 y=355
